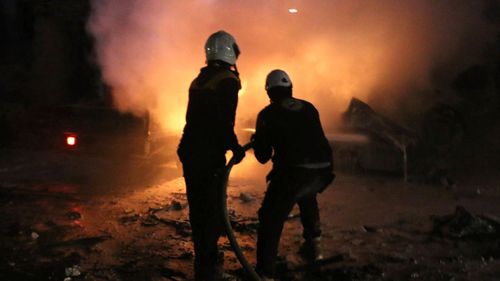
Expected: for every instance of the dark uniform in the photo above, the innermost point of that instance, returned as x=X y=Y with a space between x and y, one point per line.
x=302 y=167
x=208 y=134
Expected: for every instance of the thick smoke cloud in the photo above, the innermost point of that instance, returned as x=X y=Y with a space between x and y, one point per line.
x=382 y=51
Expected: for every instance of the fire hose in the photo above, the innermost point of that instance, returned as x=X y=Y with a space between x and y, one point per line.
x=227 y=222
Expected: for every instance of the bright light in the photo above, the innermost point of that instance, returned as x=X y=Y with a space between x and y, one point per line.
x=293 y=11
x=71 y=140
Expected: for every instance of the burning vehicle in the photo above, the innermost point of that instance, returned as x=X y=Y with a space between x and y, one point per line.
x=373 y=142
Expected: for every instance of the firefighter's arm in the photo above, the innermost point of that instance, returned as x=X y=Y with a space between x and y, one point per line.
x=261 y=141
x=228 y=88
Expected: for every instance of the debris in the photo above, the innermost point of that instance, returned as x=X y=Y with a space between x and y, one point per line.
x=67 y=279
x=371 y=229
x=246 y=198
x=415 y=275
x=73 y=271
x=182 y=228
x=245 y=225
x=187 y=255
x=34 y=235
x=492 y=218
x=129 y=219
x=361 y=117
x=73 y=215
x=176 y=205
x=463 y=224
x=149 y=221
x=128 y=211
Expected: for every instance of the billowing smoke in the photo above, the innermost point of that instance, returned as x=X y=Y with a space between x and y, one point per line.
x=382 y=51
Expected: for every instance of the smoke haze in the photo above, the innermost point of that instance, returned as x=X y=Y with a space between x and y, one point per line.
x=381 y=51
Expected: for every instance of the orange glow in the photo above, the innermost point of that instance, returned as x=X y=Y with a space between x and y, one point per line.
x=333 y=50
x=71 y=140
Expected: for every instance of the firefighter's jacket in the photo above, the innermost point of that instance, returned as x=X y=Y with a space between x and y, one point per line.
x=209 y=129
x=289 y=131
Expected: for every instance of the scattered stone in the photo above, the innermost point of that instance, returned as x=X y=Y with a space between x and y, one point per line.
x=128 y=211
x=34 y=235
x=245 y=227
x=246 y=198
x=415 y=275
x=67 y=279
x=73 y=271
x=484 y=261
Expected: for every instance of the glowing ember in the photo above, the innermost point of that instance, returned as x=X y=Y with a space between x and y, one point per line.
x=293 y=11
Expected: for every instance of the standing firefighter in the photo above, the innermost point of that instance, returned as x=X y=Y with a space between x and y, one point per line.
x=208 y=134
x=289 y=131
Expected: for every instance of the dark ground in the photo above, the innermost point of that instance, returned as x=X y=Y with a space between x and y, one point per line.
x=66 y=216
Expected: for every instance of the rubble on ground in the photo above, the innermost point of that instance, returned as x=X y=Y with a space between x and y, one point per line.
x=463 y=224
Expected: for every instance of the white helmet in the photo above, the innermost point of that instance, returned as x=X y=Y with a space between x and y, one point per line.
x=222 y=46
x=278 y=78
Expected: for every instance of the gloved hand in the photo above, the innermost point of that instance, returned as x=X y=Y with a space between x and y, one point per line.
x=238 y=154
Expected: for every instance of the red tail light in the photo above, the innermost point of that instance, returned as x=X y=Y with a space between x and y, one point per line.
x=71 y=139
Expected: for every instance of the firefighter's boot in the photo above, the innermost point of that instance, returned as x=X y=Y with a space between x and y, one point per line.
x=312 y=250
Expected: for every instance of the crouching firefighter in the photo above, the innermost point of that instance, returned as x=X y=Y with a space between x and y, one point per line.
x=208 y=134
x=289 y=131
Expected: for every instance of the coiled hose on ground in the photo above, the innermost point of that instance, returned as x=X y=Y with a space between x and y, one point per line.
x=227 y=222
